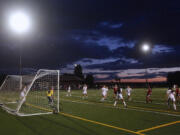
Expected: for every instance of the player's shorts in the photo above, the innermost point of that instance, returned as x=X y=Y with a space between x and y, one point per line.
x=49 y=99
x=172 y=99
x=104 y=94
x=119 y=96
x=129 y=94
x=23 y=100
x=84 y=92
x=69 y=91
x=115 y=92
x=148 y=95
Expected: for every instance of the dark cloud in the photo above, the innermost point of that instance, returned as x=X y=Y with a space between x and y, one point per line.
x=49 y=54
x=67 y=31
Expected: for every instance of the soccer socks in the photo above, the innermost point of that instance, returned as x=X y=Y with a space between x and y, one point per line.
x=115 y=103
x=174 y=105
x=124 y=103
x=102 y=99
x=68 y=94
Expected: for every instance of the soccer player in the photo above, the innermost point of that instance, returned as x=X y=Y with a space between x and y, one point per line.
x=85 y=91
x=120 y=97
x=128 y=93
x=115 y=90
x=52 y=93
x=172 y=98
x=69 y=91
x=104 y=92
x=50 y=96
x=149 y=92
x=167 y=95
x=177 y=93
x=22 y=97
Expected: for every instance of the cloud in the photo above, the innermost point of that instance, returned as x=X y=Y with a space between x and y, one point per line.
x=99 y=38
x=103 y=38
x=135 y=73
x=116 y=26
x=90 y=61
x=109 y=25
x=162 y=49
x=101 y=76
x=111 y=42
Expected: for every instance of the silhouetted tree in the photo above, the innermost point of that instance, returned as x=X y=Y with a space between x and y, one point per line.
x=78 y=71
x=89 y=80
x=118 y=80
x=173 y=78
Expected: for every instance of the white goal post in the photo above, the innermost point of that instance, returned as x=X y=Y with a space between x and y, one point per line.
x=29 y=95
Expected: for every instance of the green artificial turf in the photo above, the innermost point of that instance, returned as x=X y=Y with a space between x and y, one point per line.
x=138 y=116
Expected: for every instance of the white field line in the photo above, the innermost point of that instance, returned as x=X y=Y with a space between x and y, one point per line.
x=122 y=108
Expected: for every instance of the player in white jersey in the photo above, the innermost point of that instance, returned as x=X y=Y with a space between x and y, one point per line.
x=128 y=93
x=120 y=97
x=69 y=91
x=22 y=97
x=171 y=97
x=104 y=93
x=167 y=96
x=84 y=91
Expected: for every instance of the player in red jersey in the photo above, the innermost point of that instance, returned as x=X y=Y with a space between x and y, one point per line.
x=115 y=90
x=149 y=92
x=177 y=93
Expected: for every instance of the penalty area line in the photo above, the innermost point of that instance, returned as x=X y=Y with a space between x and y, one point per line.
x=99 y=123
x=87 y=120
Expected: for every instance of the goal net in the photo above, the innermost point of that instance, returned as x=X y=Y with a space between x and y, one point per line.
x=31 y=94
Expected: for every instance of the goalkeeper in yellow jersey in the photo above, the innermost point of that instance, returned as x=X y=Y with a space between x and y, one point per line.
x=50 y=96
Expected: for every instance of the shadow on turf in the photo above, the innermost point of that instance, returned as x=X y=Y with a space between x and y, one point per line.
x=90 y=132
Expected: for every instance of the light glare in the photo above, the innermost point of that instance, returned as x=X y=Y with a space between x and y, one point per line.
x=19 y=22
x=145 y=47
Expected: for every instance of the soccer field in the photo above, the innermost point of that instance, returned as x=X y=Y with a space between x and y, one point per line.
x=91 y=116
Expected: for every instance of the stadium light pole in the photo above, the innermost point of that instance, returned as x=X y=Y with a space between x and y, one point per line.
x=146 y=48
x=19 y=23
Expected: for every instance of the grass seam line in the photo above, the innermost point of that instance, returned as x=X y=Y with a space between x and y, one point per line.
x=159 y=126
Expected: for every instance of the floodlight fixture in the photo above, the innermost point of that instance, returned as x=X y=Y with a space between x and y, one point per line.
x=19 y=22
x=145 y=47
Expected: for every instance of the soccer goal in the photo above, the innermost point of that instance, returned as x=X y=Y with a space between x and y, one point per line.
x=31 y=94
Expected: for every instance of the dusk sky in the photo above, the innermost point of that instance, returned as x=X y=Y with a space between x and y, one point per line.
x=104 y=36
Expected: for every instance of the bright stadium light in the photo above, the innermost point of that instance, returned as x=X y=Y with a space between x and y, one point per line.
x=19 y=22
x=145 y=47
